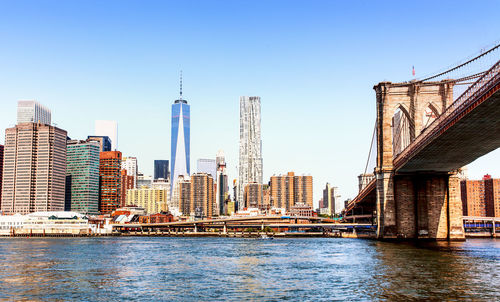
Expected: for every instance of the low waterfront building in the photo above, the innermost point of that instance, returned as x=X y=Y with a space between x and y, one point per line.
x=45 y=223
x=152 y=200
x=157 y=218
x=301 y=209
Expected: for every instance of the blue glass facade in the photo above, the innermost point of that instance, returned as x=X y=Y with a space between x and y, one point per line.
x=176 y=119
x=161 y=169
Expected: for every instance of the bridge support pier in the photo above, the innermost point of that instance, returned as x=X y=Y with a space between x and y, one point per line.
x=419 y=206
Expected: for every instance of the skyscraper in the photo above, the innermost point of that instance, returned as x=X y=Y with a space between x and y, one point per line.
x=109 y=129
x=206 y=165
x=180 y=138
x=202 y=195
x=161 y=169
x=331 y=199
x=82 y=177
x=34 y=169
x=32 y=112
x=222 y=183
x=110 y=181
x=250 y=163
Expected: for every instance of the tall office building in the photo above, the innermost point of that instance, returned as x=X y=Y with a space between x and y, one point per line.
x=32 y=112
x=250 y=161
x=104 y=142
x=288 y=190
x=206 y=165
x=130 y=164
x=110 y=181
x=180 y=144
x=331 y=199
x=161 y=169
x=202 y=195
x=222 y=184
x=1 y=171
x=34 y=169
x=181 y=196
x=109 y=129
x=82 y=177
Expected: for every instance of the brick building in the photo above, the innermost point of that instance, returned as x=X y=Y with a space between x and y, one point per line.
x=253 y=195
x=288 y=190
x=1 y=170
x=481 y=197
x=110 y=181
x=128 y=182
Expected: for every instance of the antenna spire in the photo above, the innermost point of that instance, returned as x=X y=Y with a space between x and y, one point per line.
x=181 y=86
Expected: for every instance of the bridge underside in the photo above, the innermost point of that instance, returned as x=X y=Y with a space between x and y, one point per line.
x=472 y=136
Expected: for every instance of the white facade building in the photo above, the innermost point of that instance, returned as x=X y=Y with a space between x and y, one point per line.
x=250 y=160
x=32 y=112
x=130 y=164
x=57 y=222
x=109 y=129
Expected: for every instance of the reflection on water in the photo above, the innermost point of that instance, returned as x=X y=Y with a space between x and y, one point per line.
x=200 y=269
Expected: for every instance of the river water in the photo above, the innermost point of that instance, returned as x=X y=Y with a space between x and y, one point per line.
x=235 y=269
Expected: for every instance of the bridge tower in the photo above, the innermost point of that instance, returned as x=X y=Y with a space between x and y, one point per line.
x=420 y=205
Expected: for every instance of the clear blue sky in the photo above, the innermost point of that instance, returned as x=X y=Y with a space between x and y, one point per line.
x=313 y=63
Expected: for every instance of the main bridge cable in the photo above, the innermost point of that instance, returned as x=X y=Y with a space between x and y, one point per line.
x=474 y=76
x=463 y=64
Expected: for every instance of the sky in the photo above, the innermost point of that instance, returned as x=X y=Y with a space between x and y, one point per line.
x=313 y=63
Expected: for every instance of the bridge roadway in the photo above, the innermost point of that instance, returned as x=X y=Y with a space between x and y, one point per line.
x=467 y=130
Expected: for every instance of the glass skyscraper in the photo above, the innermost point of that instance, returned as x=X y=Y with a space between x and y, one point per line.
x=161 y=169
x=82 y=177
x=180 y=139
x=32 y=112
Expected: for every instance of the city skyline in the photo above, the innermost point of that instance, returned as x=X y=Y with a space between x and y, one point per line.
x=138 y=97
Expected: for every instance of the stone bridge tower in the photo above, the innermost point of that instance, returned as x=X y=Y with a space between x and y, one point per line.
x=424 y=205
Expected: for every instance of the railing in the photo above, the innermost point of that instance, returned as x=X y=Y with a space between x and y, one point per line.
x=362 y=194
x=474 y=92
